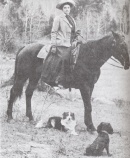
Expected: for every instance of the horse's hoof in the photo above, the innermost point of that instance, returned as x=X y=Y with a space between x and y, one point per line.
x=11 y=121
x=25 y=119
x=91 y=128
x=30 y=117
x=33 y=122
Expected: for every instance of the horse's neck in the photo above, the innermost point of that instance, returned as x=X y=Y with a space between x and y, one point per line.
x=104 y=52
x=95 y=53
x=103 y=59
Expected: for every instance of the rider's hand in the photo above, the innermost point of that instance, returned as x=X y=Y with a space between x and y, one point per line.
x=79 y=41
x=53 y=49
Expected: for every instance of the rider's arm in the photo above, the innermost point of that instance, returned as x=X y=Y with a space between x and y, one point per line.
x=54 y=31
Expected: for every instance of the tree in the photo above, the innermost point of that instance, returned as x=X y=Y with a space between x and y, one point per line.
x=107 y=19
x=125 y=18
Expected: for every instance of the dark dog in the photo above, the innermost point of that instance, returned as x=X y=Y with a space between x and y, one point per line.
x=101 y=142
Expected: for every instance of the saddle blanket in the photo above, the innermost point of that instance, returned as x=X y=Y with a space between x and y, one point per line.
x=44 y=51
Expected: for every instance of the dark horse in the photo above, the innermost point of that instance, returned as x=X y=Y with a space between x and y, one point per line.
x=92 y=56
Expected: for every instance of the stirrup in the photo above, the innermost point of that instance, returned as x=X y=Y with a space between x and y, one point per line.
x=60 y=86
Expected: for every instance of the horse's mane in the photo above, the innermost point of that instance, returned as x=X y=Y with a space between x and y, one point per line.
x=102 y=42
x=100 y=39
x=98 y=46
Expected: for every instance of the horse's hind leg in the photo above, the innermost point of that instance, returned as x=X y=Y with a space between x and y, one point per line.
x=29 y=92
x=15 y=92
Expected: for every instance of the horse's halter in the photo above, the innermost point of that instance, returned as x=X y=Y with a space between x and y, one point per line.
x=115 y=60
x=120 y=52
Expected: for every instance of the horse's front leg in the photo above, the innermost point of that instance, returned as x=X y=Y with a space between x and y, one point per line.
x=86 y=92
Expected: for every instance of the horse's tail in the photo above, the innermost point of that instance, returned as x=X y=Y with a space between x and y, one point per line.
x=16 y=61
x=8 y=82
x=18 y=80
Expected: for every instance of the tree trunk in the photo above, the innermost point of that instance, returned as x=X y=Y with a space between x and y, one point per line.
x=31 y=29
x=26 y=24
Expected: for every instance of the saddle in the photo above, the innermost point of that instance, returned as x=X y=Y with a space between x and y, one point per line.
x=44 y=51
x=74 y=54
x=60 y=65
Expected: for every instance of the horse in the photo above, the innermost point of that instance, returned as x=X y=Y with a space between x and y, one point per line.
x=92 y=56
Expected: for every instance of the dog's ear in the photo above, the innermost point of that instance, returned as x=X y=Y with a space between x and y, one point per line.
x=64 y=115
x=109 y=124
x=99 y=128
x=73 y=116
x=110 y=129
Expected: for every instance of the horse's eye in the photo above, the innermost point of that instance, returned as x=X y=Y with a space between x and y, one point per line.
x=122 y=44
x=114 y=43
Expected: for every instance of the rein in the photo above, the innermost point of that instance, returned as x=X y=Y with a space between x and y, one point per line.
x=115 y=60
x=121 y=67
x=82 y=38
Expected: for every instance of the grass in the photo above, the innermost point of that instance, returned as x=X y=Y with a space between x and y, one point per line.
x=121 y=103
x=108 y=106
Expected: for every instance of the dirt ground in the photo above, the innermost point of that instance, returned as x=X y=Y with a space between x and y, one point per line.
x=110 y=102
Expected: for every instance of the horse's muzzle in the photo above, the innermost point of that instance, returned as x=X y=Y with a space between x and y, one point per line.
x=126 y=65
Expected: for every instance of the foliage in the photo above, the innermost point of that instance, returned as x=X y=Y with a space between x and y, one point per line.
x=101 y=17
x=32 y=20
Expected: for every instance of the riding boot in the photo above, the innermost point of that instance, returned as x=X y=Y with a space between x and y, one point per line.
x=60 y=79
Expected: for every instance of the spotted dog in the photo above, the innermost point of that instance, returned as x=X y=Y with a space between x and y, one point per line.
x=65 y=123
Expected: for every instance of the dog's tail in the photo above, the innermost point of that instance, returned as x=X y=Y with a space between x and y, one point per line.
x=40 y=124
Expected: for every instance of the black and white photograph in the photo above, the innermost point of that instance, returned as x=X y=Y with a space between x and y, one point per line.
x=64 y=78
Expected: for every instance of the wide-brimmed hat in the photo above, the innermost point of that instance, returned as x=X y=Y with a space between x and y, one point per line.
x=63 y=2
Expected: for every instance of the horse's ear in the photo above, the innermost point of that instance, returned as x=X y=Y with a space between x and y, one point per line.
x=123 y=37
x=115 y=35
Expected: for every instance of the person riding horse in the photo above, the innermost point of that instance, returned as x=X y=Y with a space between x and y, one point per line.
x=63 y=39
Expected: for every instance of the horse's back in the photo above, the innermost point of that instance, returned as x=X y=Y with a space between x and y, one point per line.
x=27 y=60
x=30 y=50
